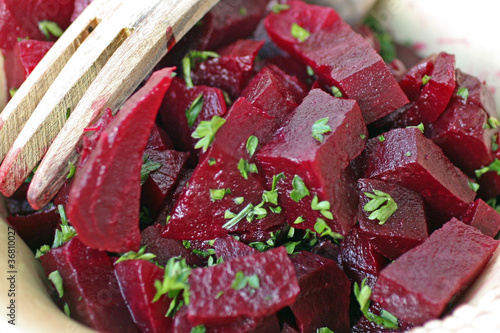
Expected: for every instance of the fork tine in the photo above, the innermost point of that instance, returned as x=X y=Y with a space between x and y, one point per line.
x=112 y=87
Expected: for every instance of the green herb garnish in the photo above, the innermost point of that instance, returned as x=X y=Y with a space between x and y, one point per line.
x=198 y=329
x=211 y=161
x=246 y=168
x=252 y=144
x=194 y=110
x=189 y=61
x=218 y=194
x=12 y=92
x=241 y=281
x=299 y=33
x=419 y=126
x=240 y=216
x=425 y=79
x=72 y=170
x=336 y=92
x=381 y=138
x=381 y=206
x=139 y=255
x=206 y=131
x=463 y=92
x=494 y=166
x=148 y=166
x=66 y=233
x=386 y=319
x=279 y=7
x=319 y=128
x=299 y=189
x=57 y=281
x=50 y=28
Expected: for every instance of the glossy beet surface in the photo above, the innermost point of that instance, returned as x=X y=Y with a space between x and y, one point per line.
x=483 y=217
x=228 y=248
x=420 y=284
x=278 y=288
x=102 y=207
x=90 y=287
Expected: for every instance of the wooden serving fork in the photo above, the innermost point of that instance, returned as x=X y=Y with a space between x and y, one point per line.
x=96 y=64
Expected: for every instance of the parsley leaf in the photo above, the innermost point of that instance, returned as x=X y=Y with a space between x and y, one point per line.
x=474 y=186
x=419 y=126
x=386 y=319
x=494 y=166
x=241 y=281
x=319 y=128
x=218 y=194
x=299 y=33
x=242 y=214
x=323 y=229
x=198 y=329
x=382 y=206
x=323 y=207
x=190 y=60
x=246 y=168
x=148 y=166
x=324 y=330
x=12 y=92
x=137 y=255
x=206 y=131
x=381 y=138
x=211 y=161
x=272 y=196
x=463 y=92
x=57 y=281
x=279 y=7
x=336 y=92
x=42 y=250
x=425 y=79
x=66 y=233
x=72 y=170
x=299 y=189
x=252 y=144
x=50 y=28
x=194 y=110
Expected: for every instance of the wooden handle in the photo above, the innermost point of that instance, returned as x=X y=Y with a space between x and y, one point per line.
x=123 y=72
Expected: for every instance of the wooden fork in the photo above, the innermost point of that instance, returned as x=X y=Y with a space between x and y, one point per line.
x=96 y=64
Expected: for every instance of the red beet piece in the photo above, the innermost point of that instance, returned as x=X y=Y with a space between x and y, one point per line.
x=232 y=70
x=291 y=66
x=420 y=284
x=102 y=207
x=406 y=157
x=178 y=99
x=230 y=20
x=278 y=287
x=160 y=183
x=366 y=326
x=407 y=226
x=90 y=287
x=136 y=279
x=90 y=141
x=483 y=217
x=294 y=151
x=80 y=5
x=359 y=258
x=228 y=248
x=328 y=249
x=159 y=139
x=166 y=248
x=10 y=29
x=196 y=215
x=323 y=300
x=479 y=93
x=36 y=229
x=339 y=56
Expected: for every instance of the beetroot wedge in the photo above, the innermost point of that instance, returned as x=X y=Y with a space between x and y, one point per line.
x=102 y=207
x=218 y=295
x=323 y=300
x=136 y=279
x=483 y=217
x=228 y=248
x=420 y=284
x=90 y=287
x=159 y=139
x=340 y=57
x=404 y=229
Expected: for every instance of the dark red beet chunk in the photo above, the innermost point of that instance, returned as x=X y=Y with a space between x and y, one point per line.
x=328 y=249
x=90 y=287
x=177 y=100
x=366 y=326
x=483 y=217
x=323 y=300
x=406 y=157
x=232 y=70
x=159 y=139
x=161 y=183
x=339 y=56
x=407 y=226
x=419 y=285
x=90 y=141
x=294 y=151
x=359 y=258
x=278 y=287
x=136 y=279
x=36 y=229
x=166 y=248
x=102 y=207
x=228 y=248
x=479 y=93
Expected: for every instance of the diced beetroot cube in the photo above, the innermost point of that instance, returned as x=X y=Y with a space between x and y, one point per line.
x=359 y=258
x=479 y=93
x=36 y=229
x=177 y=100
x=435 y=94
x=420 y=284
x=90 y=141
x=278 y=287
x=366 y=326
x=232 y=70
x=159 y=139
x=196 y=215
x=483 y=217
x=411 y=83
x=288 y=329
x=136 y=279
x=489 y=184
x=166 y=248
x=80 y=5
x=339 y=57
x=230 y=20
x=102 y=207
x=90 y=287
x=323 y=300
x=291 y=66
x=294 y=151
x=328 y=249
x=10 y=29
x=161 y=183
x=62 y=196
x=21 y=61
x=407 y=226
x=228 y=248
x=406 y=157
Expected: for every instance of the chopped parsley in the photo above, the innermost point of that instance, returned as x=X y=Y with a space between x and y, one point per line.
x=279 y=7
x=240 y=216
x=12 y=92
x=336 y=92
x=419 y=126
x=148 y=166
x=381 y=138
x=186 y=244
x=246 y=168
x=72 y=170
x=211 y=161
x=190 y=60
x=324 y=330
x=494 y=166
x=463 y=92
x=243 y=11
x=474 y=186
x=238 y=200
x=258 y=212
x=241 y=281
x=229 y=214
x=299 y=220
x=425 y=79
x=381 y=206
x=272 y=196
x=386 y=319
x=493 y=122
x=323 y=229
x=494 y=142
x=66 y=310
x=219 y=193
x=42 y=250
x=199 y=329
x=299 y=189
x=138 y=255
x=50 y=28
x=276 y=209
x=194 y=110
x=299 y=33
x=68 y=113
x=57 y=281
x=319 y=128
x=206 y=131
x=66 y=233
x=408 y=153
x=252 y=144
x=323 y=207
x=309 y=71
x=362 y=136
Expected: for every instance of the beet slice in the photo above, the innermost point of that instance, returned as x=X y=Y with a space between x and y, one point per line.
x=90 y=140
x=228 y=248
x=359 y=258
x=278 y=287
x=405 y=228
x=159 y=139
x=231 y=71
x=406 y=157
x=90 y=287
x=102 y=207
x=320 y=165
x=136 y=279
x=323 y=300
x=365 y=326
x=479 y=93
x=177 y=100
x=10 y=30
x=420 y=284
x=339 y=56
x=483 y=217
x=160 y=183
x=329 y=250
